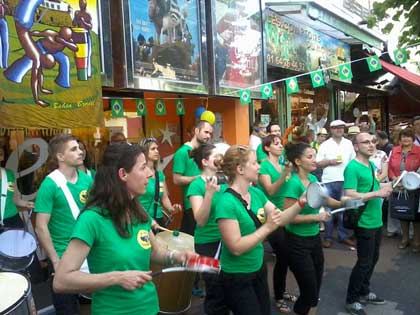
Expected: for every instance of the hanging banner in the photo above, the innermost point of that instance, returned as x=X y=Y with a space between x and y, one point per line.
x=297 y=47
x=51 y=76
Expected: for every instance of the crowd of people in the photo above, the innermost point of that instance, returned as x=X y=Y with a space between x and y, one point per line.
x=98 y=227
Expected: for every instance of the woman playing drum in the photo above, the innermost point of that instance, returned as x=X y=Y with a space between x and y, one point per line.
x=244 y=274
x=114 y=233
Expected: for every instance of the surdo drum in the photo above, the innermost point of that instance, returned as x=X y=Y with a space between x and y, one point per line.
x=16 y=297
x=17 y=248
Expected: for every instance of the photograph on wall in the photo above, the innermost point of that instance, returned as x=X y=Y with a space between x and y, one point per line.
x=50 y=74
x=297 y=47
x=237 y=37
x=166 y=39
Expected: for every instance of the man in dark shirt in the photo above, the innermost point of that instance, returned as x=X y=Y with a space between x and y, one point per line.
x=383 y=142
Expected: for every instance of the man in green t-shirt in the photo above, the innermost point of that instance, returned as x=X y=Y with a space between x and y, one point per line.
x=59 y=199
x=360 y=182
x=185 y=170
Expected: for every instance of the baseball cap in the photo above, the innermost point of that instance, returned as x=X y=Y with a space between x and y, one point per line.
x=337 y=123
x=323 y=131
x=354 y=130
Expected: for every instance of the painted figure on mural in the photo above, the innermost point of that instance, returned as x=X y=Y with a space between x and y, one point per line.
x=24 y=20
x=83 y=19
x=4 y=35
x=51 y=46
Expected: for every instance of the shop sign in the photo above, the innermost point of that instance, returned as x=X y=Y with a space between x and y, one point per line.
x=300 y=48
x=237 y=43
x=50 y=77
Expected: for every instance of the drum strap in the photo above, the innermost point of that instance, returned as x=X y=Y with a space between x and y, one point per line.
x=246 y=206
x=3 y=194
x=88 y=172
x=61 y=181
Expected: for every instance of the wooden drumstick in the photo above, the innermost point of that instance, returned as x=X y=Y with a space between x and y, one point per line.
x=158 y=227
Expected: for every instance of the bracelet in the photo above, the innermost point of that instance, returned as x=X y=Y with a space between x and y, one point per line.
x=301 y=203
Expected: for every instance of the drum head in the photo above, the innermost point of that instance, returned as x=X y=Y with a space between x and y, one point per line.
x=411 y=181
x=315 y=195
x=13 y=288
x=17 y=243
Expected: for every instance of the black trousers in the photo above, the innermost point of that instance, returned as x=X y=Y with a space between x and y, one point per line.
x=247 y=293
x=368 y=243
x=278 y=243
x=214 y=302
x=14 y=222
x=188 y=222
x=306 y=261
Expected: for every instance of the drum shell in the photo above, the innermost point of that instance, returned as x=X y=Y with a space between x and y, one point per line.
x=17 y=263
x=174 y=289
x=24 y=306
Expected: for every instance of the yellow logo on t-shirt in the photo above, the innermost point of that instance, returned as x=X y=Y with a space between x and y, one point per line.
x=143 y=239
x=161 y=187
x=11 y=186
x=261 y=215
x=83 y=196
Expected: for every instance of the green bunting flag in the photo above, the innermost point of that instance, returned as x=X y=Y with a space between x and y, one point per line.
x=400 y=56
x=245 y=97
x=344 y=71
x=160 y=107
x=180 y=109
x=117 y=107
x=141 y=107
x=292 y=85
x=374 y=64
x=266 y=91
x=317 y=79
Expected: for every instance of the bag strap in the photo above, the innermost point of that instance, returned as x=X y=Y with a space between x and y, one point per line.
x=246 y=206
x=156 y=197
x=361 y=209
x=3 y=196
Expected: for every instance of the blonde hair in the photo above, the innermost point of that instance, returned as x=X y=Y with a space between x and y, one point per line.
x=234 y=156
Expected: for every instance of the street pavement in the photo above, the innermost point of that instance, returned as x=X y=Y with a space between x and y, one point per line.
x=396 y=279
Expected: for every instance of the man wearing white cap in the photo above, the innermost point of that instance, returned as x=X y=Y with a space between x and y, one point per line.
x=333 y=156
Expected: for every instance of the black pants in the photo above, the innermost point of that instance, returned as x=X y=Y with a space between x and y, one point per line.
x=368 y=242
x=65 y=304
x=14 y=222
x=278 y=243
x=306 y=261
x=247 y=293
x=188 y=222
x=214 y=303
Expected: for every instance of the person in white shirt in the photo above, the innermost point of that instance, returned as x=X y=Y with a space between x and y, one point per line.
x=333 y=156
x=311 y=121
x=257 y=133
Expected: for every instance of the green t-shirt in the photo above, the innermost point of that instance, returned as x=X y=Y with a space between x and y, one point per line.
x=50 y=199
x=185 y=166
x=267 y=168
x=229 y=207
x=261 y=155
x=111 y=252
x=148 y=199
x=293 y=189
x=210 y=232
x=10 y=209
x=358 y=176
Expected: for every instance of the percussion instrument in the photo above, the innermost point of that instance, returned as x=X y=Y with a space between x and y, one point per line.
x=80 y=38
x=200 y=264
x=173 y=301
x=16 y=297
x=411 y=181
x=17 y=248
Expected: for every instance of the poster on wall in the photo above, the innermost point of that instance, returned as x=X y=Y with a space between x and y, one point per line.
x=50 y=73
x=237 y=42
x=166 y=40
x=300 y=48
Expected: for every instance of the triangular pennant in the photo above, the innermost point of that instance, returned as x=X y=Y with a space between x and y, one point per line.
x=245 y=96
x=400 y=56
x=180 y=109
x=117 y=108
x=266 y=91
x=292 y=85
x=317 y=79
x=141 y=107
x=160 y=107
x=344 y=71
x=373 y=63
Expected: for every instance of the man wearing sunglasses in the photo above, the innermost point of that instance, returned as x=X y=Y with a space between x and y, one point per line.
x=185 y=170
x=333 y=156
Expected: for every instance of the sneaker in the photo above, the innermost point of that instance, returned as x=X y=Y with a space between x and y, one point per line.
x=326 y=244
x=355 y=309
x=371 y=298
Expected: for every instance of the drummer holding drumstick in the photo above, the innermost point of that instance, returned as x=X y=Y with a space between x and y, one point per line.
x=114 y=234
